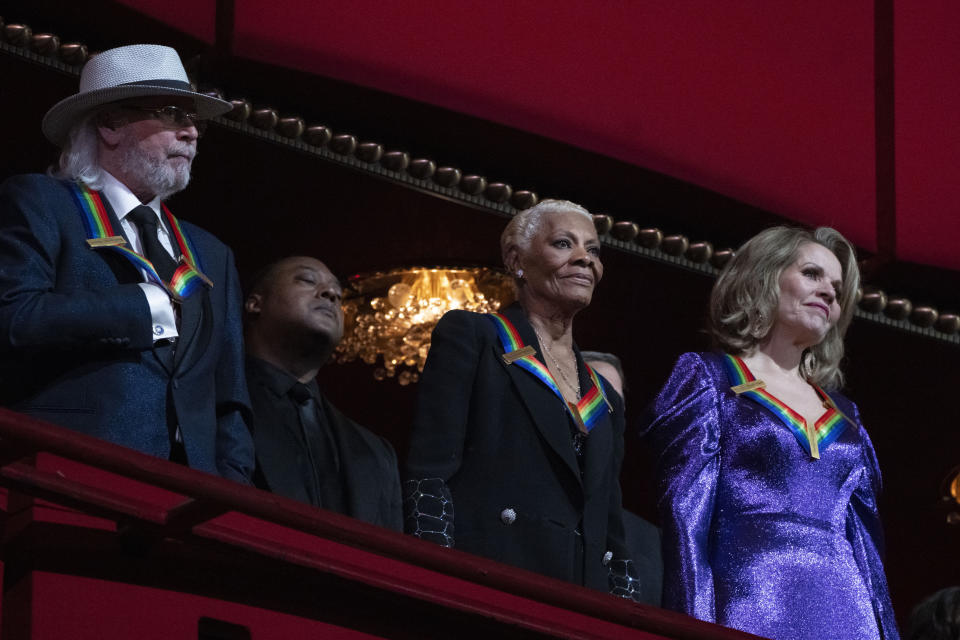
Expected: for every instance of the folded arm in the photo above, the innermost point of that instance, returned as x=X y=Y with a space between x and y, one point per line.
x=36 y=310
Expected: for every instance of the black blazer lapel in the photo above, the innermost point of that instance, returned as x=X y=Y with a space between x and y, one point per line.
x=194 y=328
x=597 y=449
x=544 y=406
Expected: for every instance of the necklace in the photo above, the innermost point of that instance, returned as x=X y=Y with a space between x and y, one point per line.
x=563 y=376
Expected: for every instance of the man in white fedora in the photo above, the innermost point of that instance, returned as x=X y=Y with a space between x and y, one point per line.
x=117 y=319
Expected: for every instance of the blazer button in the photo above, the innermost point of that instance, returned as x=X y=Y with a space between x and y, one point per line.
x=508 y=516
x=607 y=557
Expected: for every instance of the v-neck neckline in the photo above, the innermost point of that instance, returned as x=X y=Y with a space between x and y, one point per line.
x=824 y=398
x=588 y=410
x=826 y=429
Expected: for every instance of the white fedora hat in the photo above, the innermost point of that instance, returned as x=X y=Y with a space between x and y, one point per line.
x=126 y=72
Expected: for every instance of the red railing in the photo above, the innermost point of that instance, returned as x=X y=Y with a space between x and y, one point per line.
x=85 y=498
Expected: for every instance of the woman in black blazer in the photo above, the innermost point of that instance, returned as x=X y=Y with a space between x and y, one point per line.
x=517 y=444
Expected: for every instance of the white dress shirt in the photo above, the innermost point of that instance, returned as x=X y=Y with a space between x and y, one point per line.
x=123 y=202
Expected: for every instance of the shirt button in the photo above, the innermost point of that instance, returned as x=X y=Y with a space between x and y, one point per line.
x=157 y=330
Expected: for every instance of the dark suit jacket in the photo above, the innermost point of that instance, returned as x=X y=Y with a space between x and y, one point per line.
x=368 y=462
x=76 y=344
x=501 y=439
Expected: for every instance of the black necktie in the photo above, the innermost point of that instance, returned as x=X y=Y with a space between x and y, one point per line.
x=145 y=220
x=324 y=474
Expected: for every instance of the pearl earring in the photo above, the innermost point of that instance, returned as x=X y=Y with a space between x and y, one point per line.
x=520 y=273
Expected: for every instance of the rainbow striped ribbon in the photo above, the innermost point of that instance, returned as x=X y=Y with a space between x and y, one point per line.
x=101 y=235
x=591 y=405
x=826 y=429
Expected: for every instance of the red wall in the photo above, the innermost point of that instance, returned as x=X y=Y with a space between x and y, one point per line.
x=927 y=54
x=769 y=103
x=196 y=18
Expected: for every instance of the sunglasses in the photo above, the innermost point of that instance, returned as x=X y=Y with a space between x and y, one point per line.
x=173 y=117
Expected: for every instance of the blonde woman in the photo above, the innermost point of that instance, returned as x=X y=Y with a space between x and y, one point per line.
x=767 y=480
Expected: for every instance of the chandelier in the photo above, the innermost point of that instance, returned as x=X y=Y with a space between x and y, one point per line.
x=950 y=494
x=390 y=315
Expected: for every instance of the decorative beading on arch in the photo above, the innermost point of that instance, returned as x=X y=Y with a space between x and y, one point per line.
x=399 y=166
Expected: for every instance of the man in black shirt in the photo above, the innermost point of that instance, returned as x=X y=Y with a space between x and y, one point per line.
x=305 y=448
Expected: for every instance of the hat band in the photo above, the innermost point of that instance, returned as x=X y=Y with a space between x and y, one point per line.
x=166 y=84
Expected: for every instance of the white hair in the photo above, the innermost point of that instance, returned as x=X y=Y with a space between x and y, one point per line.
x=79 y=159
x=524 y=226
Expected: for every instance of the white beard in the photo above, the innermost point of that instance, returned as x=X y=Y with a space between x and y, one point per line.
x=154 y=172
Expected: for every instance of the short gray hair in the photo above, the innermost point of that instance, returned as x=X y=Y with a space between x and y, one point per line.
x=523 y=227
x=744 y=299
x=79 y=158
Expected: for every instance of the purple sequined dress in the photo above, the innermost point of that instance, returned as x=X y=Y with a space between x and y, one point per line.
x=757 y=535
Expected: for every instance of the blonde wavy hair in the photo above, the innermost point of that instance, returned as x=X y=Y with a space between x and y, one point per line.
x=744 y=300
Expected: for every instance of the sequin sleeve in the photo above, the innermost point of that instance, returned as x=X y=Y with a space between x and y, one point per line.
x=865 y=533
x=682 y=425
